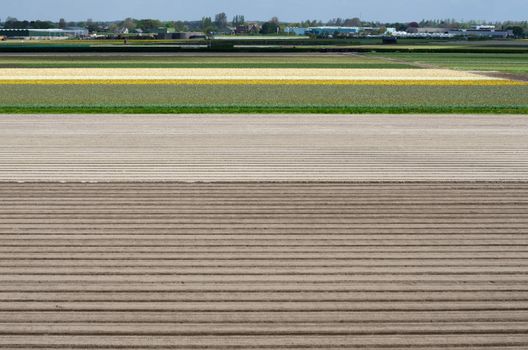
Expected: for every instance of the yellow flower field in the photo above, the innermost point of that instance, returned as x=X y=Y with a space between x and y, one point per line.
x=490 y=82
x=223 y=76
x=226 y=74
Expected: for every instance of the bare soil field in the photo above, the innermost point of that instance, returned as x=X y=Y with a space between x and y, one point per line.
x=263 y=232
x=212 y=148
x=264 y=265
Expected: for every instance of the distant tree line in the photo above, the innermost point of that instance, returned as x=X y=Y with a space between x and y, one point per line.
x=13 y=23
x=220 y=23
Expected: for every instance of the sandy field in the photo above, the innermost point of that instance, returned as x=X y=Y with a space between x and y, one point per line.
x=263 y=232
x=263 y=148
x=264 y=265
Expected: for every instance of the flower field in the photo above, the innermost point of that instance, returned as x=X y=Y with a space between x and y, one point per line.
x=225 y=74
x=175 y=98
x=246 y=90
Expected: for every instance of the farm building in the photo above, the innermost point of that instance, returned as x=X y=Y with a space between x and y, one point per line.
x=482 y=33
x=296 y=30
x=428 y=30
x=43 y=33
x=328 y=31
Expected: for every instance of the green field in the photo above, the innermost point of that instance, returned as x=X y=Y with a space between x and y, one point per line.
x=260 y=98
x=508 y=63
x=277 y=61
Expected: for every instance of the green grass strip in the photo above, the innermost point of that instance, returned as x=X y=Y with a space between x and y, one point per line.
x=234 y=109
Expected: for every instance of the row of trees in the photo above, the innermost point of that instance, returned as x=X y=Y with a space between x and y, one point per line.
x=348 y=22
x=13 y=23
x=206 y=24
x=221 y=23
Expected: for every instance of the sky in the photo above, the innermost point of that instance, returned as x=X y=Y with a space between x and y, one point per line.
x=286 y=10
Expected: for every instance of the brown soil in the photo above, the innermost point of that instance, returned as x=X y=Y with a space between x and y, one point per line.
x=264 y=265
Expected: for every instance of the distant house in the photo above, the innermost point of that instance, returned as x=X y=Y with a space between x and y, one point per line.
x=248 y=28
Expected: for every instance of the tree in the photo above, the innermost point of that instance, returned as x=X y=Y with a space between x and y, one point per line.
x=221 y=20
x=309 y=23
x=336 y=22
x=400 y=27
x=41 y=25
x=518 y=31
x=13 y=23
x=129 y=24
x=353 y=22
x=149 y=25
x=238 y=20
x=62 y=23
x=381 y=30
x=270 y=28
x=179 y=26
x=91 y=26
x=275 y=20
x=207 y=25
x=114 y=28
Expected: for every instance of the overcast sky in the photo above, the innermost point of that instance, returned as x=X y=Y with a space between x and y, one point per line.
x=287 y=10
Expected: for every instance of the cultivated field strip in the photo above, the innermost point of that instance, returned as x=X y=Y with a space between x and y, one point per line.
x=247 y=74
x=263 y=148
x=241 y=265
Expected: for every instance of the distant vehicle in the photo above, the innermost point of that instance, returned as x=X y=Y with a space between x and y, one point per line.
x=390 y=40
